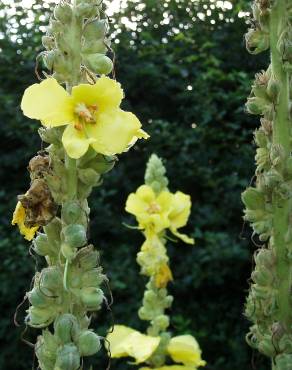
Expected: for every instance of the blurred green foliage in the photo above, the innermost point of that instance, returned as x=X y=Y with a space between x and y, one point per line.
x=186 y=74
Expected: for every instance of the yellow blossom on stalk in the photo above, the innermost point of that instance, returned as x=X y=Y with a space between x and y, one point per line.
x=19 y=219
x=124 y=342
x=185 y=349
x=92 y=114
x=156 y=213
x=151 y=210
x=179 y=215
x=163 y=276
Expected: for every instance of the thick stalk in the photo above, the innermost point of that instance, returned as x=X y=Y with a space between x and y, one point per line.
x=281 y=136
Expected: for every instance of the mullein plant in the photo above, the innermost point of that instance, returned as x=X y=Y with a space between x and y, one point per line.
x=157 y=211
x=269 y=202
x=85 y=128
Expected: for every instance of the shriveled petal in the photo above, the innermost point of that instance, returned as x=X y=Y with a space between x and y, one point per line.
x=19 y=219
x=49 y=102
x=185 y=349
x=125 y=341
x=181 y=209
x=75 y=142
x=163 y=276
x=113 y=131
x=116 y=340
x=106 y=93
x=183 y=237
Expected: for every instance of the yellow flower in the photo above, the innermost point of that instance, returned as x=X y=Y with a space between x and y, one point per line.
x=124 y=341
x=19 y=219
x=151 y=210
x=163 y=276
x=153 y=254
x=92 y=114
x=185 y=349
x=179 y=215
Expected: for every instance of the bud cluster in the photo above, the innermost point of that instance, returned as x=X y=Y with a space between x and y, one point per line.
x=268 y=203
x=78 y=26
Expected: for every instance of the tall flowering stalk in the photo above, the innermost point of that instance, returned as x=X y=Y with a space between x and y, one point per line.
x=84 y=128
x=157 y=210
x=269 y=202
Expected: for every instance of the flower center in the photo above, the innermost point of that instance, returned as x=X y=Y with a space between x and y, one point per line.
x=85 y=114
x=154 y=208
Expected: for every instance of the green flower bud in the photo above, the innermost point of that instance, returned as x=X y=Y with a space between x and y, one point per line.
x=88 y=343
x=272 y=178
x=266 y=347
x=98 y=63
x=48 y=42
x=94 y=46
x=87 y=258
x=95 y=30
x=63 y=12
x=68 y=358
x=92 y=298
x=89 y=176
x=46 y=348
x=71 y=212
x=92 y=278
x=102 y=164
x=257 y=41
x=261 y=138
x=162 y=321
x=253 y=199
x=256 y=105
x=51 y=278
x=265 y=257
x=37 y=298
x=50 y=135
x=273 y=89
x=262 y=276
x=40 y=317
x=41 y=245
x=66 y=328
x=75 y=235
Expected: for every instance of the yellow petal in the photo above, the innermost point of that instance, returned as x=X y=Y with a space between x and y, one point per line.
x=113 y=131
x=183 y=237
x=124 y=341
x=138 y=202
x=116 y=340
x=106 y=93
x=75 y=142
x=49 y=102
x=19 y=219
x=181 y=208
x=140 y=346
x=185 y=349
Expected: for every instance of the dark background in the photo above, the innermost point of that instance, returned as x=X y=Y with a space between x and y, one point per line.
x=203 y=134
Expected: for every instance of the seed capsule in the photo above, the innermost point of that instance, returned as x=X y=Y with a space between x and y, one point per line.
x=75 y=235
x=66 y=328
x=92 y=297
x=98 y=63
x=88 y=343
x=68 y=358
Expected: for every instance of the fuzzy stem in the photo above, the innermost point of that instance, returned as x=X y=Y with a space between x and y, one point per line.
x=281 y=135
